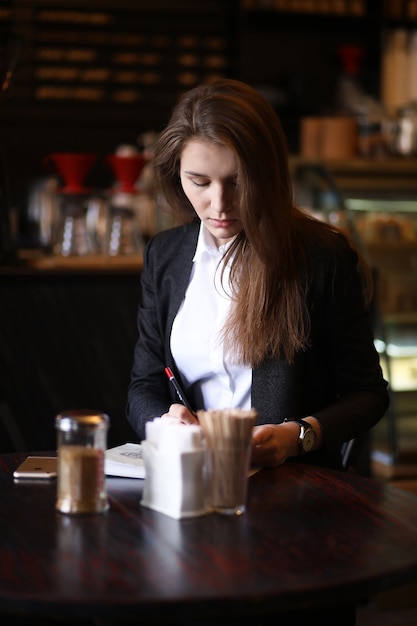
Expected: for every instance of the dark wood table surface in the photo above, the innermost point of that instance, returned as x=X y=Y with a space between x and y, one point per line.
x=310 y=538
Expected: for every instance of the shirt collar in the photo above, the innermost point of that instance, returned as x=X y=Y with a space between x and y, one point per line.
x=206 y=244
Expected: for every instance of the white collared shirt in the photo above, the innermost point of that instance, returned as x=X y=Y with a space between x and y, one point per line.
x=195 y=343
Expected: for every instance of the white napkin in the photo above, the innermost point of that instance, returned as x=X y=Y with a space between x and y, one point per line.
x=174 y=463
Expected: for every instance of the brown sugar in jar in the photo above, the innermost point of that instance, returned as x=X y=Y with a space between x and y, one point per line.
x=81 y=449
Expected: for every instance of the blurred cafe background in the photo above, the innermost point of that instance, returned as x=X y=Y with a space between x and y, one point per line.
x=85 y=88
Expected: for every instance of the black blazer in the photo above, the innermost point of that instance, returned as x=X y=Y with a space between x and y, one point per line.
x=338 y=379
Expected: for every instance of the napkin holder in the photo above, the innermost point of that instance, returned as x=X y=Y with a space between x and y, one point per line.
x=174 y=458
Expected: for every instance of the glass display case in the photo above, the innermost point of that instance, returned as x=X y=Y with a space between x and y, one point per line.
x=388 y=231
x=377 y=203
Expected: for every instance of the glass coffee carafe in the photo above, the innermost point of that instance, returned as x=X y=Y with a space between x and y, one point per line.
x=73 y=234
x=124 y=235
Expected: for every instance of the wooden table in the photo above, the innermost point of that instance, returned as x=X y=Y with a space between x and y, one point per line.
x=310 y=538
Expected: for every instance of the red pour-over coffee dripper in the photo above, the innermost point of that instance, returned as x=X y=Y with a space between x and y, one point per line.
x=127 y=169
x=72 y=167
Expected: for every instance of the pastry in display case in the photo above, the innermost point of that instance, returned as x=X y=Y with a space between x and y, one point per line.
x=387 y=229
x=379 y=210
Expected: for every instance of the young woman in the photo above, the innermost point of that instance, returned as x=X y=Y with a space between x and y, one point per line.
x=251 y=303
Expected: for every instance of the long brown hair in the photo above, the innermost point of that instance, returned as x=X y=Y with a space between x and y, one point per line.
x=269 y=277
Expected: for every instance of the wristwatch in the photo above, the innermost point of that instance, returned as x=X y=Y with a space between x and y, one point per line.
x=307 y=436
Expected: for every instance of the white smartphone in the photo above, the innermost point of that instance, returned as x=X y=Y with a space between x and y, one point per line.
x=37 y=467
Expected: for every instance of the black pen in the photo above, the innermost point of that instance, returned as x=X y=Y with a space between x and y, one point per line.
x=179 y=391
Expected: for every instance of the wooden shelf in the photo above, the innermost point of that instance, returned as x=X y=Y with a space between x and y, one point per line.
x=29 y=260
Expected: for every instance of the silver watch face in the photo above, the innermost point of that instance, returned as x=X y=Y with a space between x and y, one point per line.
x=309 y=440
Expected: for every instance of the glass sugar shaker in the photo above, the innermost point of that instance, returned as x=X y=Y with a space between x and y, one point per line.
x=81 y=442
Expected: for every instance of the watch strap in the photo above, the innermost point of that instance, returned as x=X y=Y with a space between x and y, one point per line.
x=304 y=427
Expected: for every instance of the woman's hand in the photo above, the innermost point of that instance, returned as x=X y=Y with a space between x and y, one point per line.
x=273 y=444
x=181 y=413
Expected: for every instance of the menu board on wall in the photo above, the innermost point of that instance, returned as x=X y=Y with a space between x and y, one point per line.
x=117 y=54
